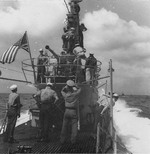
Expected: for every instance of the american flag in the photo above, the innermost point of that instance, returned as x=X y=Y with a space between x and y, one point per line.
x=9 y=55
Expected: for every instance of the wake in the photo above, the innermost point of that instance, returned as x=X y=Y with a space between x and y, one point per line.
x=133 y=130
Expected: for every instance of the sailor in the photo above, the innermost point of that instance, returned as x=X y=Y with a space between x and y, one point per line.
x=82 y=29
x=61 y=60
x=90 y=66
x=79 y=68
x=103 y=105
x=69 y=40
x=13 y=113
x=71 y=94
x=48 y=99
x=75 y=8
x=41 y=61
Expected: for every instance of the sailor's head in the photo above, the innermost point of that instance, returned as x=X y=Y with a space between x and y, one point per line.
x=70 y=83
x=63 y=53
x=77 y=49
x=72 y=29
x=84 y=50
x=91 y=54
x=82 y=26
x=49 y=84
x=115 y=96
x=41 y=50
x=13 y=87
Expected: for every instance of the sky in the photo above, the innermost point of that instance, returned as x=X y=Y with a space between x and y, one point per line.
x=117 y=30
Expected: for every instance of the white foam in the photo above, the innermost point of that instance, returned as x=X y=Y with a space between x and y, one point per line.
x=24 y=117
x=133 y=130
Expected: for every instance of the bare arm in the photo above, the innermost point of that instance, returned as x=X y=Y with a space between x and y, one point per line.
x=63 y=92
x=56 y=97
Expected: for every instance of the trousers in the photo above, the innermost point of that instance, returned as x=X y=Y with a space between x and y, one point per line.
x=70 y=117
x=12 y=118
x=45 y=119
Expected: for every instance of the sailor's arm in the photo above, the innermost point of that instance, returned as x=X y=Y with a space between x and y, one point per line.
x=56 y=97
x=19 y=105
x=77 y=90
x=64 y=91
x=104 y=109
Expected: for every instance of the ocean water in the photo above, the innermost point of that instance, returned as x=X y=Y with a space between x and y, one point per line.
x=132 y=122
x=131 y=119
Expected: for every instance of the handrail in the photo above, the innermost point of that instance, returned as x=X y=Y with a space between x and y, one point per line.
x=114 y=140
x=52 y=66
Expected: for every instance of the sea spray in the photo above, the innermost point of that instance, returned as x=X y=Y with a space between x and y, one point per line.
x=132 y=129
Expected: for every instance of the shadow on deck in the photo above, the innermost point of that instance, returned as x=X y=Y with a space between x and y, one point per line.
x=27 y=136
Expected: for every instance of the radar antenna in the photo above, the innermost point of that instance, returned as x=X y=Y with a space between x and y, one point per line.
x=66 y=6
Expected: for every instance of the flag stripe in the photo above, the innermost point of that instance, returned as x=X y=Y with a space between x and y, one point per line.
x=9 y=55
x=13 y=54
x=4 y=55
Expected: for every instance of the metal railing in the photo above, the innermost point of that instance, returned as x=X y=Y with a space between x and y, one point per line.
x=54 y=69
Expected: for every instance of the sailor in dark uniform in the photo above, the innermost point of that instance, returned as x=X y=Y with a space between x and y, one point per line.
x=90 y=66
x=41 y=61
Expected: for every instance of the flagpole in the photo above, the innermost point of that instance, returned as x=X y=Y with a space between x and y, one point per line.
x=32 y=63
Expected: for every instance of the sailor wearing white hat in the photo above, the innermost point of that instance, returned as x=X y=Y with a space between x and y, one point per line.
x=13 y=112
x=48 y=98
x=71 y=96
x=115 y=97
x=102 y=105
x=41 y=60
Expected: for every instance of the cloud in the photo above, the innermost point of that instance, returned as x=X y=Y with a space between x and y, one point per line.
x=107 y=31
x=126 y=43
x=35 y=16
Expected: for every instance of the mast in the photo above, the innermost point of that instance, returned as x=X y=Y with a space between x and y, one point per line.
x=32 y=62
x=111 y=109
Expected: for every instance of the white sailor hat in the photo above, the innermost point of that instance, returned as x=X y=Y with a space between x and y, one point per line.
x=77 y=50
x=70 y=83
x=91 y=53
x=13 y=87
x=115 y=95
x=49 y=84
x=41 y=50
x=72 y=28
